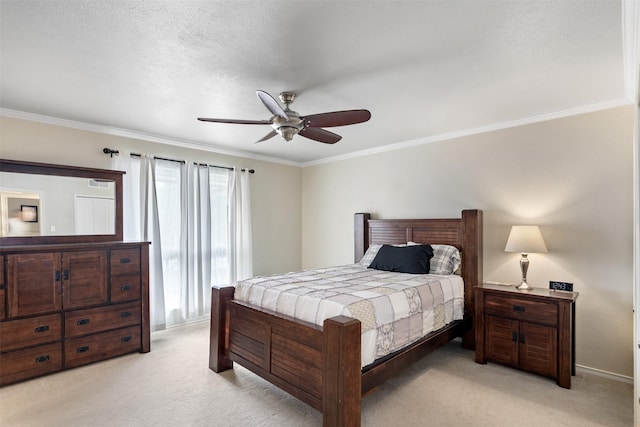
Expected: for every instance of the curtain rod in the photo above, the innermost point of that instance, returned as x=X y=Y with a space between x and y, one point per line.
x=195 y=163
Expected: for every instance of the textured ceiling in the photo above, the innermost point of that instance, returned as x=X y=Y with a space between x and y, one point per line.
x=423 y=68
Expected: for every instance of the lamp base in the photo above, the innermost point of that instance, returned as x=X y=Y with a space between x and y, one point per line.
x=524 y=266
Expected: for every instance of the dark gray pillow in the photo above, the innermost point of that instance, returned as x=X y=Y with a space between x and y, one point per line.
x=403 y=259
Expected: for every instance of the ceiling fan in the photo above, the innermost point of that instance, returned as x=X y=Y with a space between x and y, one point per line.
x=287 y=123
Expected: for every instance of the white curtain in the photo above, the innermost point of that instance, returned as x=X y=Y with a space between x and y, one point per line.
x=141 y=222
x=241 y=259
x=198 y=219
x=196 y=242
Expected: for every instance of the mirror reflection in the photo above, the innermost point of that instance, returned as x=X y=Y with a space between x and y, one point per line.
x=49 y=205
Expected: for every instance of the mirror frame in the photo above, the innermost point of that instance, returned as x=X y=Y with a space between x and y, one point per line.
x=19 y=166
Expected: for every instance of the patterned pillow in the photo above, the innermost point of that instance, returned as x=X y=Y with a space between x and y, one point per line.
x=446 y=259
x=369 y=256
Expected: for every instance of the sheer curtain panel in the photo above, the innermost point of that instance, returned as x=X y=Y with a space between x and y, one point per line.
x=141 y=222
x=198 y=220
x=240 y=227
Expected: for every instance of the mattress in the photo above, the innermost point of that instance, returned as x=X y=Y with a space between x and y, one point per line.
x=395 y=309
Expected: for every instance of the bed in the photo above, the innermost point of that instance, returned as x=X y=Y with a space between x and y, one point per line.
x=323 y=365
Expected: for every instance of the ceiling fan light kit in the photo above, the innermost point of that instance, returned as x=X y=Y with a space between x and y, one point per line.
x=288 y=123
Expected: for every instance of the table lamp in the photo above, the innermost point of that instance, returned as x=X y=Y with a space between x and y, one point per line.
x=525 y=239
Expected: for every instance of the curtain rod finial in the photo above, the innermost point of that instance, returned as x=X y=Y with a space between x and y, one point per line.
x=110 y=151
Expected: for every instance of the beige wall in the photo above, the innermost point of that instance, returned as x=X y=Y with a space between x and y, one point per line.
x=572 y=176
x=276 y=218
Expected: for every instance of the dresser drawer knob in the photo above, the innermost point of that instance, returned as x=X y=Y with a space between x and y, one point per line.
x=125 y=288
x=40 y=329
x=125 y=314
x=82 y=322
x=82 y=349
x=125 y=260
x=518 y=308
x=514 y=336
x=125 y=339
x=42 y=359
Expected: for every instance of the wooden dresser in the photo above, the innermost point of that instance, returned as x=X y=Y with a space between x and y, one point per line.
x=72 y=291
x=532 y=330
x=67 y=305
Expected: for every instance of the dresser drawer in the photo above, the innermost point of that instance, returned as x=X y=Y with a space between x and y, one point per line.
x=125 y=288
x=30 y=362
x=521 y=309
x=125 y=261
x=29 y=332
x=83 y=322
x=83 y=350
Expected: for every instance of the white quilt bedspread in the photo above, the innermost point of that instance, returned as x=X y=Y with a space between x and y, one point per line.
x=395 y=309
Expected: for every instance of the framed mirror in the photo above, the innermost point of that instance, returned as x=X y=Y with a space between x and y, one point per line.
x=43 y=203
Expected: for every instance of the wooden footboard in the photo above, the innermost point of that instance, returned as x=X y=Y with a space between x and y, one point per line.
x=320 y=366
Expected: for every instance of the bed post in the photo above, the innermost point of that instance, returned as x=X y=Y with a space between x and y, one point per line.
x=471 y=268
x=342 y=378
x=219 y=330
x=361 y=235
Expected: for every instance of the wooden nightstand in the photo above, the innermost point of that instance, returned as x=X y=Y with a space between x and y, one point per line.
x=532 y=330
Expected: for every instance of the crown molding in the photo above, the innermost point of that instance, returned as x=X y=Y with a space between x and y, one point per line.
x=109 y=130
x=362 y=153
x=474 y=131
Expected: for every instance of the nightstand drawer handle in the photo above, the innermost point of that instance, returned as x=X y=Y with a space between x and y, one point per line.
x=514 y=336
x=125 y=260
x=42 y=359
x=125 y=288
x=82 y=322
x=125 y=339
x=518 y=308
x=40 y=329
x=125 y=314
x=522 y=338
x=82 y=349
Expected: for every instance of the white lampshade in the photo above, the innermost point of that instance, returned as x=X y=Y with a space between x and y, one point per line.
x=525 y=239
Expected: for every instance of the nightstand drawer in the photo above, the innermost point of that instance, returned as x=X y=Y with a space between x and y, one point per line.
x=521 y=309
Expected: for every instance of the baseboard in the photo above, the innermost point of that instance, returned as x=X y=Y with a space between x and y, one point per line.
x=605 y=374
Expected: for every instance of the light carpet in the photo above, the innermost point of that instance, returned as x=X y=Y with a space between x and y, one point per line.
x=172 y=386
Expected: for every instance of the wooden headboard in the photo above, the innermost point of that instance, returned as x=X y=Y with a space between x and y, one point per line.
x=465 y=233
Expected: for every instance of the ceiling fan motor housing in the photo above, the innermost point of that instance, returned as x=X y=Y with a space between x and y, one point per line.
x=287 y=128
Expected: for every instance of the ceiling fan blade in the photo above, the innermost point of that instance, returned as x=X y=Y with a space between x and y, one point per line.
x=267 y=136
x=271 y=104
x=336 y=118
x=241 y=122
x=320 y=135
